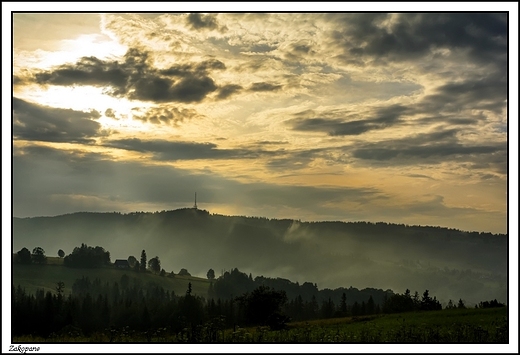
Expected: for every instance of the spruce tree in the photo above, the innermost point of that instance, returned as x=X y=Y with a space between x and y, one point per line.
x=142 y=264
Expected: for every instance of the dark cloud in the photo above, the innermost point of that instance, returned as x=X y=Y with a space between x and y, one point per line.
x=201 y=68
x=423 y=152
x=167 y=150
x=135 y=78
x=263 y=86
x=452 y=121
x=433 y=148
x=301 y=48
x=42 y=123
x=110 y=113
x=383 y=118
x=298 y=51
x=166 y=115
x=270 y=142
x=87 y=71
x=420 y=176
x=204 y=22
x=227 y=90
x=482 y=36
x=488 y=93
x=188 y=89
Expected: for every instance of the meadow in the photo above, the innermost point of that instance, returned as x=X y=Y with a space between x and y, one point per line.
x=32 y=277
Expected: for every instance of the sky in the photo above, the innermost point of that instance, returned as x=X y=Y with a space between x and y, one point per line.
x=394 y=117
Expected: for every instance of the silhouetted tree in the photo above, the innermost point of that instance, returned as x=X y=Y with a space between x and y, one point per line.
x=416 y=301
x=461 y=304
x=491 y=304
x=191 y=308
x=155 y=265
x=450 y=305
x=61 y=253
x=60 y=285
x=184 y=272
x=371 y=307
x=343 y=305
x=263 y=307
x=131 y=261
x=24 y=256
x=327 y=308
x=38 y=255
x=356 y=309
x=426 y=300
x=211 y=274
x=162 y=273
x=429 y=304
x=142 y=264
x=89 y=257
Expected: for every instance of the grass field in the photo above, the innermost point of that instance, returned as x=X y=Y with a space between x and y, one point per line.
x=446 y=326
x=32 y=277
x=470 y=326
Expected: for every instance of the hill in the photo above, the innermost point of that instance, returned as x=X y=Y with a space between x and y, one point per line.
x=32 y=277
x=450 y=263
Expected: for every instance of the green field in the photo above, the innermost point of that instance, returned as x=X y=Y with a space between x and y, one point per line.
x=32 y=277
x=446 y=326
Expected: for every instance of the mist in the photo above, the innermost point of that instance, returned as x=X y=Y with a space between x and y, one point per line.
x=451 y=264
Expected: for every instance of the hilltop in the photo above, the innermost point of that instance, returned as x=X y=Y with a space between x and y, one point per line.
x=32 y=277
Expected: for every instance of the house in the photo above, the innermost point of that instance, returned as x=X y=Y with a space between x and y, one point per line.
x=121 y=264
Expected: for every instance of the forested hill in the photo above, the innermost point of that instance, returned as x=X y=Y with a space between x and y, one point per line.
x=450 y=263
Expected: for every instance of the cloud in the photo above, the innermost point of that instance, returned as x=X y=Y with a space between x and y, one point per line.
x=110 y=113
x=384 y=117
x=488 y=93
x=167 y=150
x=42 y=123
x=264 y=86
x=433 y=148
x=482 y=37
x=166 y=115
x=204 y=22
x=228 y=90
x=135 y=77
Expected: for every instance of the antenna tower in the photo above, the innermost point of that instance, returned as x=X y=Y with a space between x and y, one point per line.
x=195 y=205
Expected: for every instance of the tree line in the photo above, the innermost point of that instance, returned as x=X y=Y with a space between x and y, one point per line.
x=86 y=256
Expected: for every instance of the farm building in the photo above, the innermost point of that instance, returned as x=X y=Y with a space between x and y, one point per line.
x=122 y=264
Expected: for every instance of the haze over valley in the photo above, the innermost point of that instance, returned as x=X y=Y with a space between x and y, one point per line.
x=450 y=263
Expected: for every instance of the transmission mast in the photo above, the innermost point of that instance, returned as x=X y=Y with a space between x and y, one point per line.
x=195 y=205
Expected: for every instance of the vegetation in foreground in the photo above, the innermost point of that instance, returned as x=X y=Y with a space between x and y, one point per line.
x=448 y=326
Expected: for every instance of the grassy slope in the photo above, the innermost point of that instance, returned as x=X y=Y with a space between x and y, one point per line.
x=446 y=326
x=32 y=277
